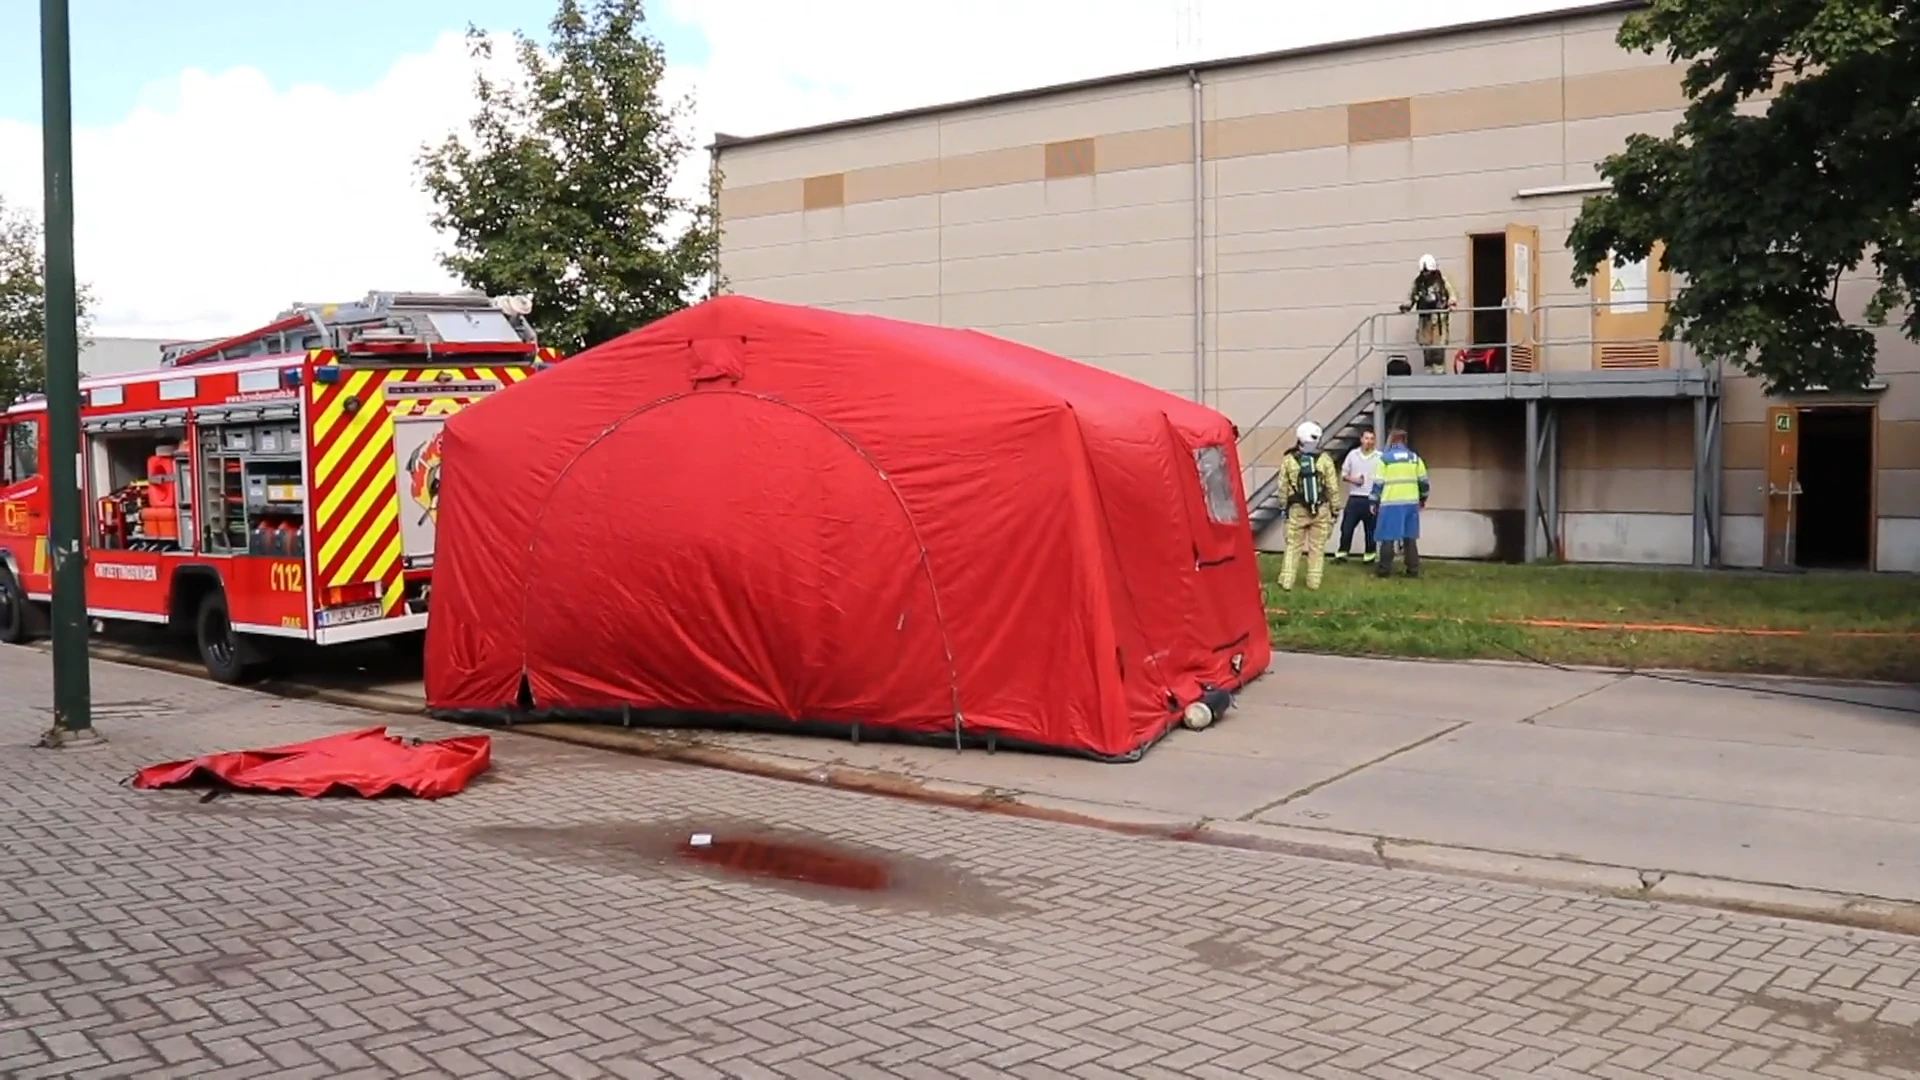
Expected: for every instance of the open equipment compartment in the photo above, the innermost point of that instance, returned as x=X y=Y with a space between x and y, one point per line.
x=139 y=471
x=251 y=470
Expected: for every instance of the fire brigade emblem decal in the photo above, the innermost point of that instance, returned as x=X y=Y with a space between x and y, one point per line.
x=423 y=478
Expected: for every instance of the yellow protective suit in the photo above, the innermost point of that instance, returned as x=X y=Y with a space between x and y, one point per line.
x=1309 y=528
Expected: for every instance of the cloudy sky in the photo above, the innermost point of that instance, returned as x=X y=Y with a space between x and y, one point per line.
x=233 y=156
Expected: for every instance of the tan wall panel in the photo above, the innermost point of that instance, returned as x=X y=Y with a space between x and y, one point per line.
x=1071 y=116
x=1276 y=132
x=1230 y=178
x=1640 y=435
x=1163 y=335
x=854 y=287
x=1487 y=107
x=899 y=248
x=1314 y=330
x=1170 y=371
x=834 y=151
x=908 y=180
x=1743 y=491
x=966 y=172
x=754 y=200
x=1899 y=445
x=1901 y=401
x=1146 y=149
x=919 y=309
x=1147 y=187
x=1899 y=494
x=1744 y=445
x=1618 y=93
x=822 y=192
x=1626 y=490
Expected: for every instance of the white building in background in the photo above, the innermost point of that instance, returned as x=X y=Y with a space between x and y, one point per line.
x=118 y=355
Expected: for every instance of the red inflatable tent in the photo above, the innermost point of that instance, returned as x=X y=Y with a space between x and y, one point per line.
x=752 y=510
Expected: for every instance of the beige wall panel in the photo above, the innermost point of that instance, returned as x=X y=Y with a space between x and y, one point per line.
x=1290 y=171
x=1004 y=308
x=778 y=197
x=1069 y=116
x=1005 y=202
x=1018 y=236
x=1146 y=187
x=1310 y=329
x=1595 y=139
x=919 y=309
x=1244 y=407
x=1742 y=399
x=1373 y=163
x=1901 y=401
x=1276 y=369
x=871 y=219
x=1483 y=151
x=1899 y=495
x=1147 y=149
x=1166 y=335
x=852 y=253
x=1169 y=371
x=1624 y=92
x=1036 y=270
x=1430 y=67
x=859 y=286
x=1626 y=490
x=1306 y=287
x=1488 y=107
x=830 y=152
x=1069 y=194
x=1072 y=338
x=1591 y=46
x=774 y=229
x=1743 y=491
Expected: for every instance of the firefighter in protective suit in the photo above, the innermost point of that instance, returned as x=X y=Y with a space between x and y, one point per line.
x=1310 y=489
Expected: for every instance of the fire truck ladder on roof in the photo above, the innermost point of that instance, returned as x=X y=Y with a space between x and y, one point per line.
x=380 y=322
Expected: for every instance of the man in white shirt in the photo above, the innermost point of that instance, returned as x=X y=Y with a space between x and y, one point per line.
x=1358 y=472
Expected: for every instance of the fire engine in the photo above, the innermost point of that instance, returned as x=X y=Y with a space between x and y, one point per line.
x=280 y=484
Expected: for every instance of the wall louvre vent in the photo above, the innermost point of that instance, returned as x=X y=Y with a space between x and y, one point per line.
x=824 y=192
x=1380 y=121
x=1638 y=356
x=1071 y=158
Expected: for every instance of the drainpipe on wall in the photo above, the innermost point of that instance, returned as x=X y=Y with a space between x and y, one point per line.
x=1199 y=240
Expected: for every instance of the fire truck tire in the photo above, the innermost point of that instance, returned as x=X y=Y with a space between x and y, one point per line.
x=229 y=657
x=21 y=620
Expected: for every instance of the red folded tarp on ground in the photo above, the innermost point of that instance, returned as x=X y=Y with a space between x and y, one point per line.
x=772 y=511
x=369 y=762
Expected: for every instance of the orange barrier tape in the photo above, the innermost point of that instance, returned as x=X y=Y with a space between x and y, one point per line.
x=1633 y=628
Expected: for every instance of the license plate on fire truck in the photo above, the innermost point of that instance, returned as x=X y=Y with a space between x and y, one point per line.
x=358 y=613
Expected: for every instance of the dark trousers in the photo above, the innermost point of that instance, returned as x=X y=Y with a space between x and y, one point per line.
x=1412 y=549
x=1359 y=514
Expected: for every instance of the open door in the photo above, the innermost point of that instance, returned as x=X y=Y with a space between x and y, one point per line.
x=1523 y=293
x=1783 y=485
x=1629 y=310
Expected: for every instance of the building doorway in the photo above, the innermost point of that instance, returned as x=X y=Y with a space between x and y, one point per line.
x=1487 y=290
x=1833 y=529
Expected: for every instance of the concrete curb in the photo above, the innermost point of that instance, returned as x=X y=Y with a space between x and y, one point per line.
x=1749 y=898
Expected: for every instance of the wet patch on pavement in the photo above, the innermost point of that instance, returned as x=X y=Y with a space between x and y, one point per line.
x=1864 y=1043
x=789 y=860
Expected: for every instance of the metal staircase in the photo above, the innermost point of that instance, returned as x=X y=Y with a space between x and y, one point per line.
x=1359 y=405
x=1341 y=434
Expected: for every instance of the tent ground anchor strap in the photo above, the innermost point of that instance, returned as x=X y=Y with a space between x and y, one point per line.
x=856 y=733
x=626 y=715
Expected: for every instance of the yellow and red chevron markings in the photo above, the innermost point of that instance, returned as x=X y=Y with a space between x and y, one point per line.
x=356 y=503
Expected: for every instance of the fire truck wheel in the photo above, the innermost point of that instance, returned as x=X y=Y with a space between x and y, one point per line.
x=228 y=656
x=21 y=620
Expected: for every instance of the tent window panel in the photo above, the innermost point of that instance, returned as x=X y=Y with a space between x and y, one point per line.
x=1216 y=484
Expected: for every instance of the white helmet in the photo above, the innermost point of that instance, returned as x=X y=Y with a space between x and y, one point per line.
x=1428 y=264
x=1308 y=434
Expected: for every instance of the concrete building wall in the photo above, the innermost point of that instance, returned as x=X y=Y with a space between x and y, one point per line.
x=1068 y=221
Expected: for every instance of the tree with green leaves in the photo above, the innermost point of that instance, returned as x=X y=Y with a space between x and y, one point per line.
x=23 y=306
x=560 y=190
x=1764 y=206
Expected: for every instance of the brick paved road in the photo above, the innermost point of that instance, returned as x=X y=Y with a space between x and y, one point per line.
x=538 y=925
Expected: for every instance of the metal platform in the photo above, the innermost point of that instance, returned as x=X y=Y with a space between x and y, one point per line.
x=1576 y=385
